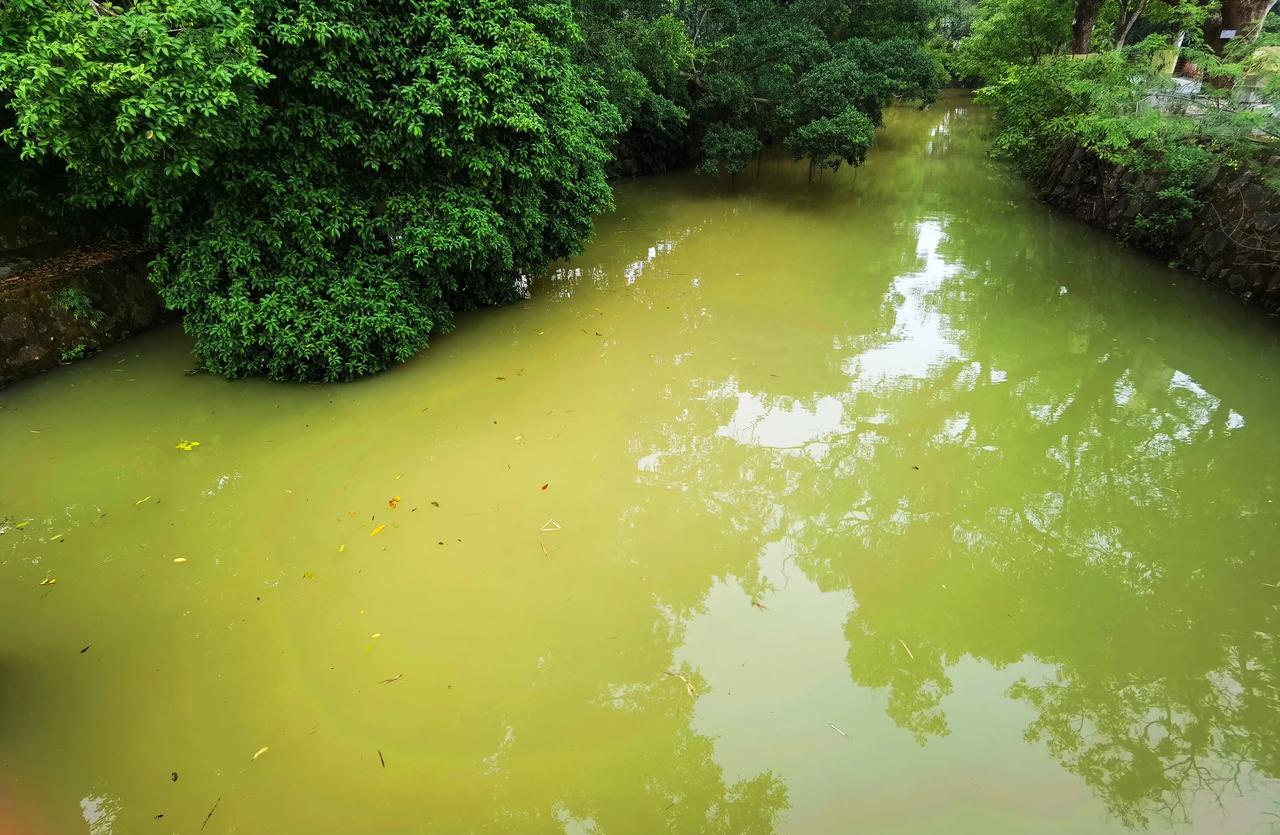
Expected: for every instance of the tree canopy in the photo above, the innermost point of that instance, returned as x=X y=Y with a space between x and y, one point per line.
x=327 y=184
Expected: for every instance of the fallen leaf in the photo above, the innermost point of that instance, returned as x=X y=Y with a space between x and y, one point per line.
x=499 y=378
x=435 y=504
x=179 y=559
x=49 y=581
x=395 y=677
x=519 y=439
x=173 y=775
x=393 y=502
x=546 y=486
x=376 y=635
x=377 y=530
x=187 y=446
x=308 y=575
x=264 y=749
x=55 y=537
x=21 y=525
x=341 y=548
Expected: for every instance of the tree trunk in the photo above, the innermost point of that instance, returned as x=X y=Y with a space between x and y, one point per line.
x=1245 y=17
x=1128 y=17
x=1082 y=26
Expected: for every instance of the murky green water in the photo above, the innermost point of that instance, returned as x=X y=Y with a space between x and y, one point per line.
x=895 y=503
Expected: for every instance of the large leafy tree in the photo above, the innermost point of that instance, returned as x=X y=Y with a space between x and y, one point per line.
x=715 y=81
x=326 y=183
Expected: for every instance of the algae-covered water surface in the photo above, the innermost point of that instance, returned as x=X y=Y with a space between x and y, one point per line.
x=892 y=502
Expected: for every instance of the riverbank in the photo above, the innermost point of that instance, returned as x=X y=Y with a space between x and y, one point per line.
x=62 y=304
x=1231 y=239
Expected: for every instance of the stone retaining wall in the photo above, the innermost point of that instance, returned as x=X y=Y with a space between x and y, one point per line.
x=1233 y=240
x=37 y=331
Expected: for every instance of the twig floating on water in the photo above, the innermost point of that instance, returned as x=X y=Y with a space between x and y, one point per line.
x=910 y=654
x=688 y=685
x=381 y=760
x=837 y=730
x=395 y=677
x=211 y=811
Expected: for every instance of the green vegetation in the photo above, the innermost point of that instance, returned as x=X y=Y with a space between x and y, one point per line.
x=76 y=352
x=77 y=303
x=1120 y=102
x=326 y=185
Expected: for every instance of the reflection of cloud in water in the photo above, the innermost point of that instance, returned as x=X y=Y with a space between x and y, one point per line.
x=920 y=340
x=794 y=427
x=100 y=812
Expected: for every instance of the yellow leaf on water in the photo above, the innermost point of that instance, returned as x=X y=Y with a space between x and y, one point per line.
x=341 y=548
x=377 y=530
x=55 y=537
x=376 y=635
x=264 y=749
x=21 y=525
x=49 y=581
x=187 y=446
x=393 y=502
x=140 y=501
x=179 y=559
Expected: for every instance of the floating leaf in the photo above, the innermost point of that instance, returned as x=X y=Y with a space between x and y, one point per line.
x=21 y=525
x=394 y=678
x=341 y=548
x=187 y=446
x=376 y=635
x=49 y=581
x=546 y=486
x=377 y=530
x=55 y=537
x=179 y=559
x=264 y=749
x=308 y=575
x=519 y=439
x=393 y=502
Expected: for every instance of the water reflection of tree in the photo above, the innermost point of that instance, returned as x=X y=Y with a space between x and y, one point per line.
x=1053 y=488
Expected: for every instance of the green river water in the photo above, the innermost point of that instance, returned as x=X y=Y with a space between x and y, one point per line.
x=891 y=503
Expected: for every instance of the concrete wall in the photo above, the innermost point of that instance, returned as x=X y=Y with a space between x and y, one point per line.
x=1233 y=240
x=35 y=329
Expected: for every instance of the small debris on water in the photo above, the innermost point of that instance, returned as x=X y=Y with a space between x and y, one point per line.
x=837 y=730
x=688 y=685
x=264 y=749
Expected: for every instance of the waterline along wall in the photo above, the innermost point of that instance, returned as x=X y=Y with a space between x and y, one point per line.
x=63 y=307
x=1232 y=238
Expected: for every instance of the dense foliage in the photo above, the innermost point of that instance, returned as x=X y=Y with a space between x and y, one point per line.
x=714 y=82
x=1121 y=103
x=326 y=184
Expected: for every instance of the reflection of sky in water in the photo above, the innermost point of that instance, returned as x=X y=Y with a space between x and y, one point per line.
x=794 y=427
x=99 y=813
x=919 y=340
